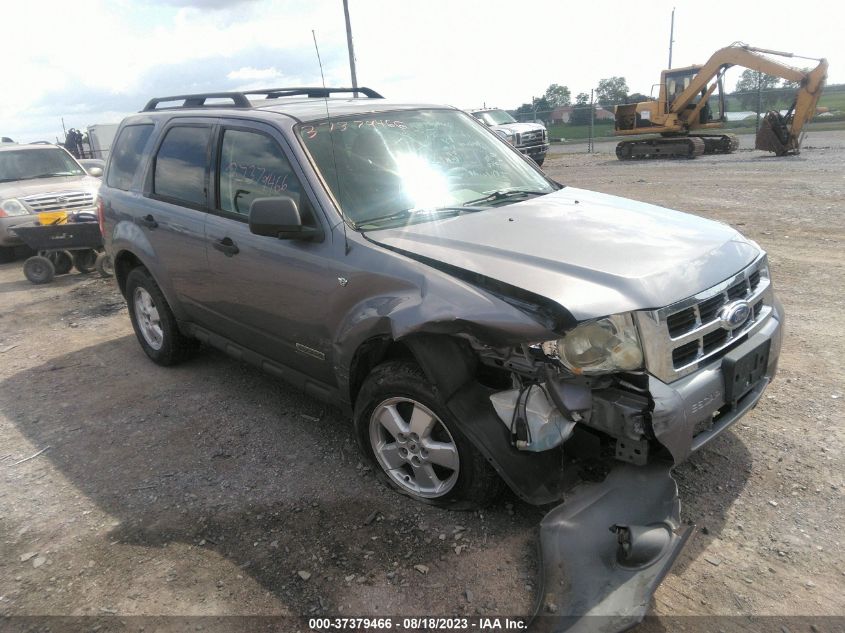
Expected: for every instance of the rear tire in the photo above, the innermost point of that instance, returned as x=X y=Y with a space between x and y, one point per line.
x=85 y=261
x=39 y=270
x=104 y=265
x=62 y=261
x=153 y=321
x=414 y=444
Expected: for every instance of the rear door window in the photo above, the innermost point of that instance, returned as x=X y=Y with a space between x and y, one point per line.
x=126 y=155
x=181 y=165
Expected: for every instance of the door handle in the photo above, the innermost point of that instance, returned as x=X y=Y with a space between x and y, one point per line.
x=226 y=246
x=149 y=221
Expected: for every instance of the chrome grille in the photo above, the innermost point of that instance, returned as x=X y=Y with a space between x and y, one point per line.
x=531 y=137
x=59 y=201
x=681 y=337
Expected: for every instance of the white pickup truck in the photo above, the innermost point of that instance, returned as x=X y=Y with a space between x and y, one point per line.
x=532 y=139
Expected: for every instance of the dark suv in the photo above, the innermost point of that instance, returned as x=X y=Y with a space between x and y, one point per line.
x=408 y=265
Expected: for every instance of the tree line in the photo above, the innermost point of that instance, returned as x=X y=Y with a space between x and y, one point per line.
x=609 y=92
x=613 y=91
x=754 y=86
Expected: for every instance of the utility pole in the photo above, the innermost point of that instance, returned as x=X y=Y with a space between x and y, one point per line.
x=759 y=100
x=592 y=118
x=349 y=44
x=671 y=36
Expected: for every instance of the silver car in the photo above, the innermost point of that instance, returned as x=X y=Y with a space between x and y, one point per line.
x=35 y=178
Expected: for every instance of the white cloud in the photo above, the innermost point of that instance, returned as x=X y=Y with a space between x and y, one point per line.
x=93 y=52
x=248 y=72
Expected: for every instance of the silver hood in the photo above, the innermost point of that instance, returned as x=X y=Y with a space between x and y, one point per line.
x=592 y=253
x=24 y=188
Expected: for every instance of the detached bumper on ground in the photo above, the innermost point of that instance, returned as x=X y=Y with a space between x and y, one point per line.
x=606 y=550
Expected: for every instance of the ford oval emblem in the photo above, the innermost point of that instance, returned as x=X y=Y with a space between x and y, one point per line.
x=735 y=314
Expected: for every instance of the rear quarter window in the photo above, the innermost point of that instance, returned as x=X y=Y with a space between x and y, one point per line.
x=126 y=155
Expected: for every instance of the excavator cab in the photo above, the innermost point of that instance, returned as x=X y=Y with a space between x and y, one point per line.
x=676 y=82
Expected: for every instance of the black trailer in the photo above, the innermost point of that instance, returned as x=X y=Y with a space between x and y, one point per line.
x=61 y=247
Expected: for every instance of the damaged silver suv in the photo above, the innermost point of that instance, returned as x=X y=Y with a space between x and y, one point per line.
x=479 y=321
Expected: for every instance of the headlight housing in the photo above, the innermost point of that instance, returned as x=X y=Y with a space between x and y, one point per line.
x=12 y=206
x=599 y=347
x=508 y=136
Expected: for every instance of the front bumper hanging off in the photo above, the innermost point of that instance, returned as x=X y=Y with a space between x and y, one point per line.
x=605 y=551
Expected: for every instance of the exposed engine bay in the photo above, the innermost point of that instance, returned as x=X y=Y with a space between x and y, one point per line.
x=547 y=401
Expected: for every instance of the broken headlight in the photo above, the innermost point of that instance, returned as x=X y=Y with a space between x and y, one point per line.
x=599 y=347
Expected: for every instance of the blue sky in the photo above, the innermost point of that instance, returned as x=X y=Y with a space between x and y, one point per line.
x=94 y=61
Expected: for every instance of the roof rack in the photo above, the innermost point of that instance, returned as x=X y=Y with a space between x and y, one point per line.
x=240 y=100
x=198 y=101
x=312 y=93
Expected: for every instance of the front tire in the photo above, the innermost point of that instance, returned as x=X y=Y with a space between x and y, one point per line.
x=414 y=443
x=39 y=270
x=153 y=321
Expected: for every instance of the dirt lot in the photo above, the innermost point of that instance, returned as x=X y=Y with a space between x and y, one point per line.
x=205 y=489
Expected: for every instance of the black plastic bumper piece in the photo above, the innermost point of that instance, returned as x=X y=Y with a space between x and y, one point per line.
x=606 y=549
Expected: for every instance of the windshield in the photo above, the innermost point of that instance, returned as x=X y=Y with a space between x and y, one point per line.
x=392 y=168
x=26 y=164
x=495 y=117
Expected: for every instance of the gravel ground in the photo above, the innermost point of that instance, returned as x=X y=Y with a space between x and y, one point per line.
x=212 y=489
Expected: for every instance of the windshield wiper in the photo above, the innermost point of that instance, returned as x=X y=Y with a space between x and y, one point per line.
x=57 y=173
x=507 y=194
x=438 y=213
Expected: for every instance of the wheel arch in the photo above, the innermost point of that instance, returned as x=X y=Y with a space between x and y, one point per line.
x=124 y=262
x=371 y=353
x=450 y=365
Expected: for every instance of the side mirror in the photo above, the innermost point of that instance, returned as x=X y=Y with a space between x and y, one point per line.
x=97 y=172
x=279 y=218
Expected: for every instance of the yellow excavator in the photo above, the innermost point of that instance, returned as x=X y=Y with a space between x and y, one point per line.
x=683 y=108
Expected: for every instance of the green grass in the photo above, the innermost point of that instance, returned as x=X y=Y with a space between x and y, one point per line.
x=580 y=132
x=833 y=100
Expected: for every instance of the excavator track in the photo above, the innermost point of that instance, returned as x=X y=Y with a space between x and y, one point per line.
x=719 y=143
x=673 y=147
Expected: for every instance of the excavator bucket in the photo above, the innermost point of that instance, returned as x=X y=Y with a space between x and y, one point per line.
x=774 y=135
